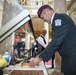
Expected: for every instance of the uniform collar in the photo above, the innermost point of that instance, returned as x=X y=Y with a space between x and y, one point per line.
x=52 y=18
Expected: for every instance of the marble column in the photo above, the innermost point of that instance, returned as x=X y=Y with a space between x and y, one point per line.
x=27 y=41
x=73 y=16
x=0 y=19
x=59 y=7
x=1 y=11
x=27 y=45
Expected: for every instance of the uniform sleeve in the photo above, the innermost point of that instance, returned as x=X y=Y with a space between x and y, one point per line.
x=59 y=35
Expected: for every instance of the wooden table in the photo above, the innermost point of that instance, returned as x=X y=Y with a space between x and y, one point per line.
x=38 y=70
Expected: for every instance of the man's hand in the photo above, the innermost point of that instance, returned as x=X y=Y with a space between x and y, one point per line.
x=35 y=61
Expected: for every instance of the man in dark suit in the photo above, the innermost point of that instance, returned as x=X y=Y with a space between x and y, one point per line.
x=63 y=40
x=20 y=47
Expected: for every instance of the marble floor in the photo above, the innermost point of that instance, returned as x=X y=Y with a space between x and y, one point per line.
x=50 y=71
x=53 y=72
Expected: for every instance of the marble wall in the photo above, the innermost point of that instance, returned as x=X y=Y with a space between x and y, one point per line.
x=6 y=45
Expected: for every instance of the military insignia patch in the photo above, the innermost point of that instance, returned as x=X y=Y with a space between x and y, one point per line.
x=58 y=22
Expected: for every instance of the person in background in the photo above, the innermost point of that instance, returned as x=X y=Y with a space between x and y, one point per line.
x=63 y=40
x=52 y=61
x=20 y=48
x=41 y=40
x=34 y=49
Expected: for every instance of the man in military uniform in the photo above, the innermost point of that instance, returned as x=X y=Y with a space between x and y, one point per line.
x=63 y=40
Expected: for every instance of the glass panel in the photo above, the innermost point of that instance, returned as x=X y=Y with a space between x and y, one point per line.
x=11 y=9
x=14 y=16
x=14 y=20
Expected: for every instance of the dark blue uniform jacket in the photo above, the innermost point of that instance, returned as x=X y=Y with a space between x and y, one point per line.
x=63 y=41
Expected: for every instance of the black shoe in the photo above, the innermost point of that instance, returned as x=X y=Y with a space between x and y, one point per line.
x=52 y=66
